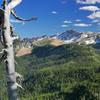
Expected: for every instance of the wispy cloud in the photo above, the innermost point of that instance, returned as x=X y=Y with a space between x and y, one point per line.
x=95 y=21
x=23 y=23
x=82 y=25
x=98 y=23
x=54 y=12
x=63 y=1
x=78 y=20
x=89 y=8
x=94 y=15
x=64 y=25
x=66 y=21
x=88 y=1
x=15 y=21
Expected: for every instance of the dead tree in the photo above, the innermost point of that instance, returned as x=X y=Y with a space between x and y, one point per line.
x=7 y=41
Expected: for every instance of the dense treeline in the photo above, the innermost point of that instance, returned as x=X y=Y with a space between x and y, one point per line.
x=67 y=72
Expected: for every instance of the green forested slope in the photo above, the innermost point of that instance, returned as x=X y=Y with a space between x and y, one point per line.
x=67 y=72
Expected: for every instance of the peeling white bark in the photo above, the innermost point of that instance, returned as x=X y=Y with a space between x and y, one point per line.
x=14 y=3
x=10 y=67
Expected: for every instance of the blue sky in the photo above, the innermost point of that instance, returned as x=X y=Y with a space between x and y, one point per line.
x=57 y=16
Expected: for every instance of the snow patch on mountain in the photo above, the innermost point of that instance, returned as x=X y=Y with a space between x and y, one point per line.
x=71 y=36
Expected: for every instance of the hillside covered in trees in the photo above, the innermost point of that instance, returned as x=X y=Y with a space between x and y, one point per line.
x=66 y=72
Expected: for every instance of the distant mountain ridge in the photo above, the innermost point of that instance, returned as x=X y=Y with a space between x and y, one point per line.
x=26 y=45
x=70 y=36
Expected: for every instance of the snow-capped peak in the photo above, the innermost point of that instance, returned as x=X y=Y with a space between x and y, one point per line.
x=72 y=36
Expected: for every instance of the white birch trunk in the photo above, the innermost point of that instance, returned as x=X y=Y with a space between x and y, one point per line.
x=8 y=48
x=10 y=67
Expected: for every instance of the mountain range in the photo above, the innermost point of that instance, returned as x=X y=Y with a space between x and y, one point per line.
x=25 y=45
x=71 y=36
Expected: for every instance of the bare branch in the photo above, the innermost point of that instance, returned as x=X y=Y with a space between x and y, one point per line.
x=16 y=62
x=2 y=10
x=15 y=38
x=1 y=40
x=2 y=58
x=13 y=13
x=18 y=85
x=14 y=3
x=5 y=60
x=18 y=75
x=3 y=50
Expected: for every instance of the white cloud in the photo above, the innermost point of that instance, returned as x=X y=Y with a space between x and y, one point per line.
x=95 y=21
x=63 y=1
x=94 y=15
x=23 y=23
x=82 y=25
x=67 y=21
x=54 y=12
x=88 y=1
x=98 y=23
x=64 y=25
x=15 y=21
x=90 y=8
x=78 y=20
